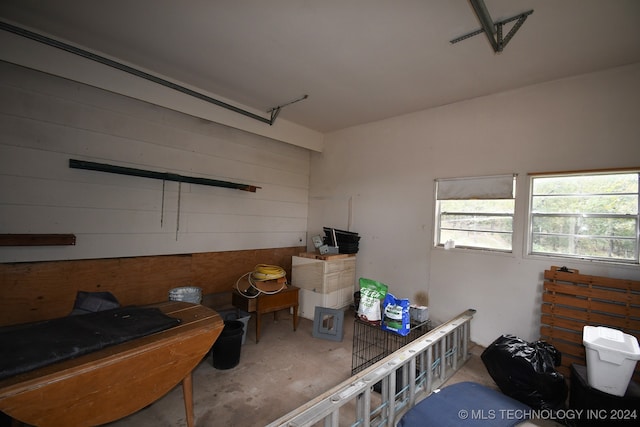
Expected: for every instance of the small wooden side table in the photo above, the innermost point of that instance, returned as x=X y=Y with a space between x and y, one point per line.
x=267 y=303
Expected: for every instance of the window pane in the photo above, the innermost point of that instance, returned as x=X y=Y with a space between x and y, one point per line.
x=482 y=224
x=585 y=226
x=603 y=248
x=587 y=184
x=471 y=239
x=593 y=216
x=586 y=204
x=476 y=222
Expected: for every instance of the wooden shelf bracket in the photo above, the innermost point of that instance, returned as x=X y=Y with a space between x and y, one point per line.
x=37 y=239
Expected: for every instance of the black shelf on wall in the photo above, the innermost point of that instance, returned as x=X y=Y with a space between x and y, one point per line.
x=165 y=176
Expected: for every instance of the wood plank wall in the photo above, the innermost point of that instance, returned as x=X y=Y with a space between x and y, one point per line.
x=45 y=121
x=34 y=291
x=572 y=300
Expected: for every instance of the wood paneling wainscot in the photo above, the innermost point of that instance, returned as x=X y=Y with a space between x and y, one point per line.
x=34 y=291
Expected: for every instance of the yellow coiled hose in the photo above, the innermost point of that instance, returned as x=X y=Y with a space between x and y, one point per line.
x=261 y=273
x=264 y=272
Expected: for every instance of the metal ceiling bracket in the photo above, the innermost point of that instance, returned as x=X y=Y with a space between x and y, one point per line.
x=276 y=110
x=274 y=114
x=493 y=30
x=127 y=69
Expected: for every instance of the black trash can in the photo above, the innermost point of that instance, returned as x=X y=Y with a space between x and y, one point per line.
x=226 y=349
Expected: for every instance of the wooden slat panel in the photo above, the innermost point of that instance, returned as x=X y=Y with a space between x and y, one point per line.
x=572 y=300
x=586 y=304
x=563 y=323
x=624 y=296
x=591 y=317
x=562 y=334
x=608 y=282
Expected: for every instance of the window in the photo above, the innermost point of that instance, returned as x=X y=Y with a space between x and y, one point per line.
x=586 y=215
x=476 y=212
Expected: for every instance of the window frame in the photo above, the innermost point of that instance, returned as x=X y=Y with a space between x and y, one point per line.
x=489 y=196
x=530 y=238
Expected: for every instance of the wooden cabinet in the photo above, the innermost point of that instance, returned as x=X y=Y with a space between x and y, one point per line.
x=326 y=283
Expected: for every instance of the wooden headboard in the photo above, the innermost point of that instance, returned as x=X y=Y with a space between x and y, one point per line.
x=571 y=300
x=34 y=291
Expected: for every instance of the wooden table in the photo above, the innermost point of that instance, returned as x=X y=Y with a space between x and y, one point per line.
x=267 y=303
x=117 y=381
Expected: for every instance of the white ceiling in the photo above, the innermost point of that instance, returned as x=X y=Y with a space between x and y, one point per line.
x=358 y=60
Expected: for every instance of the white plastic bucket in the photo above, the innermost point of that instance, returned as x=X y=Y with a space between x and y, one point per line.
x=611 y=358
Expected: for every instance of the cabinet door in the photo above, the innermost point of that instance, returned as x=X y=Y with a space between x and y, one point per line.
x=307 y=273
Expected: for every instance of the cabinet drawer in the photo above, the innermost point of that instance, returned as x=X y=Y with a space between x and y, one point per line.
x=323 y=276
x=334 y=266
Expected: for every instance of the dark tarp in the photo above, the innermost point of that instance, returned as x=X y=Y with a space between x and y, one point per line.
x=30 y=346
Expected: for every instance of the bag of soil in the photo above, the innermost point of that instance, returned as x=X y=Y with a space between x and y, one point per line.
x=371 y=295
x=396 y=315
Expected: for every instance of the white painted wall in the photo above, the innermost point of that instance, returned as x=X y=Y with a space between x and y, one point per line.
x=46 y=120
x=378 y=180
x=38 y=56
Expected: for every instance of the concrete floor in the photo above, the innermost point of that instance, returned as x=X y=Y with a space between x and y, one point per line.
x=281 y=372
x=278 y=374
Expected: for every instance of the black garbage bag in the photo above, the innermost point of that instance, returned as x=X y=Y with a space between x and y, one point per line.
x=526 y=371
